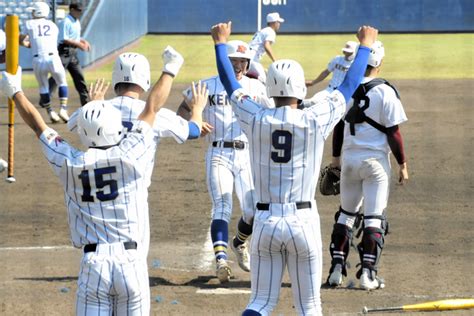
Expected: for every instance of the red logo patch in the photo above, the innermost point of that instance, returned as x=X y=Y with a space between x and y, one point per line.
x=241 y=49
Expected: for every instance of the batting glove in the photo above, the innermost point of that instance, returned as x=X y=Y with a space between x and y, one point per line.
x=172 y=61
x=11 y=84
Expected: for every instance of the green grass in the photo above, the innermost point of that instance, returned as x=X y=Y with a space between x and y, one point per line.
x=408 y=56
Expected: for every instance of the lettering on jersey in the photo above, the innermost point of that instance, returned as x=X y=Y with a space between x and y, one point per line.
x=341 y=68
x=219 y=99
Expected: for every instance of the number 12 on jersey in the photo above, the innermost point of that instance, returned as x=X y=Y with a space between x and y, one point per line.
x=100 y=183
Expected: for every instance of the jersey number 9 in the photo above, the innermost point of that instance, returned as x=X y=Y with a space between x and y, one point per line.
x=282 y=141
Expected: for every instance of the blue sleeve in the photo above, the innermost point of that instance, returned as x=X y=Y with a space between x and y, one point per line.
x=355 y=74
x=225 y=69
x=194 y=130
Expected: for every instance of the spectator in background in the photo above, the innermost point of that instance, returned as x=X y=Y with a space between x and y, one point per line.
x=69 y=41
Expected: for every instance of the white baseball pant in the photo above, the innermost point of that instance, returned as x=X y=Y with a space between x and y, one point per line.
x=286 y=236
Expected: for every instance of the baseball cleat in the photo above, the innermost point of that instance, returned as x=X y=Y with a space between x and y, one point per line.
x=223 y=271
x=3 y=165
x=335 y=278
x=370 y=281
x=54 y=117
x=242 y=254
x=63 y=115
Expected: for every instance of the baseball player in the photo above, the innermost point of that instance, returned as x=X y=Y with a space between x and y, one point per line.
x=286 y=147
x=227 y=161
x=105 y=192
x=338 y=66
x=130 y=80
x=261 y=43
x=41 y=35
x=366 y=136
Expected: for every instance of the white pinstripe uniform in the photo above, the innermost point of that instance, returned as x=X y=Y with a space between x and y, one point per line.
x=167 y=124
x=365 y=162
x=224 y=166
x=257 y=49
x=43 y=35
x=105 y=194
x=286 y=147
x=339 y=66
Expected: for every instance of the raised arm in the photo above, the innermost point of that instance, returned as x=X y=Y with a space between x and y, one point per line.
x=319 y=78
x=172 y=62
x=268 y=48
x=367 y=36
x=11 y=86
x=220 y=34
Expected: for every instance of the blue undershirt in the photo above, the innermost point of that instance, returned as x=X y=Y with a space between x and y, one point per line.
x=194 y=130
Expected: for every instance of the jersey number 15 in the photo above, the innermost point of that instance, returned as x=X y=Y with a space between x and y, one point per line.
x=100 y=183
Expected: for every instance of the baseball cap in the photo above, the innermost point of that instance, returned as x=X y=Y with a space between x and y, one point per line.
x=350 y=47
x=76 y=6
x=274 y=17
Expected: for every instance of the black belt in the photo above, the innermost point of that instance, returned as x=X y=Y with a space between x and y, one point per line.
x=299 y=206
x=236 y=144
x=127 y=245
x=50 y=54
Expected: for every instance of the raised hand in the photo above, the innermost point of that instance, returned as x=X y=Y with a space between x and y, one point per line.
x=172 y=61
x=98 y=89
x=221 y=32
x=367 y=35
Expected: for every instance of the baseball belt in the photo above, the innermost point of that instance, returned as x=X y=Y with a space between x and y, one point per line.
x=299 y=206
x=127 y=245
x=236 y=144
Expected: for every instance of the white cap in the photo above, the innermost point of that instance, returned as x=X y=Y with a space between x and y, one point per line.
x=274 y=17
x=350 y=47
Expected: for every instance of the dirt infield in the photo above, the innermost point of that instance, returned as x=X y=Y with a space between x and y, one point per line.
x=429 y=253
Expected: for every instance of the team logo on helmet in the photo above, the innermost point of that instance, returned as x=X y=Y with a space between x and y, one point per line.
x=241 y=49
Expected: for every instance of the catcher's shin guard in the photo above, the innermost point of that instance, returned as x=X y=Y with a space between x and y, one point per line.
x=370 y=248
x=341 y=239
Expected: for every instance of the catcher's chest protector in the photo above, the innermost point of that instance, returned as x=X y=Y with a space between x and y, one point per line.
x=356 y=114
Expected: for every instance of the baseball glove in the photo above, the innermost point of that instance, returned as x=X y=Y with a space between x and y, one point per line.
x=329 y=180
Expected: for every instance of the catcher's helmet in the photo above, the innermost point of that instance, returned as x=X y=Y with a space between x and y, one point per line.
x=39 y=10
x=285 y=78
x=100 y=124
x=376 y=54
x=132 y=68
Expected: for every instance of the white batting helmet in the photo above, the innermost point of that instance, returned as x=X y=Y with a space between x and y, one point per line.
x=285 y=78
x=377 y=53
x=132 y=68
x=39 y=10
x=238 y=49
x=100 y=124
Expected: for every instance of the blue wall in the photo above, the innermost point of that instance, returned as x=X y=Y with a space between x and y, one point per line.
x=114 y=24
x=313 y=16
